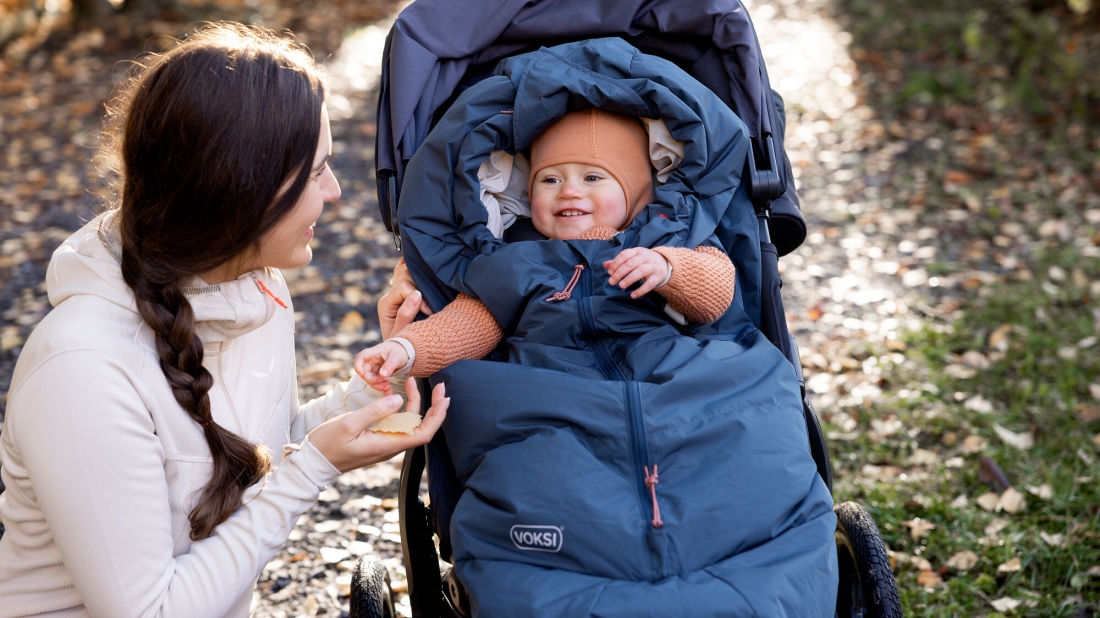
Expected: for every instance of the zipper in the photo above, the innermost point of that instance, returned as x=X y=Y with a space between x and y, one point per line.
x=639 y=448
x=604 y=361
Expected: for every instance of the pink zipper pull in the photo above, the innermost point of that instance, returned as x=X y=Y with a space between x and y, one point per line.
x=651 y=483
x=568 y=291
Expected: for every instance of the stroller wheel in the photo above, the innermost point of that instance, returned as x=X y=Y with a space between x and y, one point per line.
x=370 y=590
x=867 y=587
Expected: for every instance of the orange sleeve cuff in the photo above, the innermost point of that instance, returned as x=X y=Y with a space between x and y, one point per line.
x=464 y=329
x=702 y=281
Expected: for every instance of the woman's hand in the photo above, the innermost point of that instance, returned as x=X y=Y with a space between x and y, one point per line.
x=377 y=363
x=633 y=265
x=398 y=307
x=347 y=443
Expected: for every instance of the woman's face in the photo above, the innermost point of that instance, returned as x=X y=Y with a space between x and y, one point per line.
x=287 y=244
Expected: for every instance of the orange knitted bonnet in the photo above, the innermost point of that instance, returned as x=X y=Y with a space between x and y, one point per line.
x=615 y=142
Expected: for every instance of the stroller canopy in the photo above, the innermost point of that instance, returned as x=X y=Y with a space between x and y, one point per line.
x=437 y=48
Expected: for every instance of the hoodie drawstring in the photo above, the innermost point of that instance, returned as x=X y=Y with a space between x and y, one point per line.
x=568 y=291
x=265 y=290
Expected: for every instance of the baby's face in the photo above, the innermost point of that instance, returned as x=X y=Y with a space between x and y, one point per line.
x=569 y=199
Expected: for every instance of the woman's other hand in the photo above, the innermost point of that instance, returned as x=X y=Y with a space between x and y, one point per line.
x=347 y=443
x=398 y=307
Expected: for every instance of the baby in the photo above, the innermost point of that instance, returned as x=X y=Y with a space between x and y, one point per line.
x=590 y=176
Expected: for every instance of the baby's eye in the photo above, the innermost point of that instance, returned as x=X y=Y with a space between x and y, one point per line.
x=592 y=178
x=550 y=180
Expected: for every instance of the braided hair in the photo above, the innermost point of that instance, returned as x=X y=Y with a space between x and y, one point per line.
x=212 y=144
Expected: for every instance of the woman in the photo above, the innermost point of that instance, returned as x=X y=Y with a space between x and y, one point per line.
x=146 y=409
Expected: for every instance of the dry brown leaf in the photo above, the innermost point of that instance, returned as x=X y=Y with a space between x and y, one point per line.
x=1096 y=439
x=957 y=177
x=962 y=561
x=975 y=359
x=921 y=564
x=400 y=422
x=998 y=339
x=1088 y=414
x=1013 y=501
x=974 y=444
x=1011 y=566
x=351 y=323
x=919 y=527
x=929 y=579
x=978 y=404
x=988 y=501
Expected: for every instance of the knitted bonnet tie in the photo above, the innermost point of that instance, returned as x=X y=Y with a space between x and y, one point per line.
x=615 y=142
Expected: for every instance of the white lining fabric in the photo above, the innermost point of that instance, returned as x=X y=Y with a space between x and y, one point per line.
x=504 y=177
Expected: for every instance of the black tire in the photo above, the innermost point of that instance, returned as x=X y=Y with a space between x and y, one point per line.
x=370 y=590
x=867 y=586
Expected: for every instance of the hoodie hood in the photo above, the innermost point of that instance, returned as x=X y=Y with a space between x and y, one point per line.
x=88 y=263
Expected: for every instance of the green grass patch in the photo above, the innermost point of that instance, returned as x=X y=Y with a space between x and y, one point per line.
x=1021 y=358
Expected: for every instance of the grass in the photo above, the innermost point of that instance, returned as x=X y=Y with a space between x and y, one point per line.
x=1039 y=338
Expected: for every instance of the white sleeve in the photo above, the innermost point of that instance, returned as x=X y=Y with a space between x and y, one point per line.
x=344 y=397
x=98 y=470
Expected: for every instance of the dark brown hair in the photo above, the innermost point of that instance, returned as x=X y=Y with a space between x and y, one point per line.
x=202 y=138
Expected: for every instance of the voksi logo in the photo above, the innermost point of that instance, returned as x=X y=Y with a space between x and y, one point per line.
x=537 y=538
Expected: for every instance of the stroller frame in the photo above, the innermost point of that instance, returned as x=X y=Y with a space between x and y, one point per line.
x=866 y=586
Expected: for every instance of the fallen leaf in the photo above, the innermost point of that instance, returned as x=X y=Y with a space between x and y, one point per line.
x=351 y=323
x=978 y=404
x=401 y=422
x=923 y=457
x=990 y=473
x=1094 y=390
x=929 y=579
x=1043 y=492
x=975 y=359
x=1005 y=605
x=994 y=528
x=1013 y=501
x=956 y=177
x=922 y=564
x=959 y=502
x=998 y=339
x=960 y=372
x=1012 y=566
x=919 y=527
x=1087 y=414
x=1022 y=441
x=962 y=561
x=988 y=501
x=1096 y=439
x=1052 y=539
x=974 y=444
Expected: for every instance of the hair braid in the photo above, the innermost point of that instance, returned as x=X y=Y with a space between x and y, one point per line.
x=237 y=464
x=202 y=176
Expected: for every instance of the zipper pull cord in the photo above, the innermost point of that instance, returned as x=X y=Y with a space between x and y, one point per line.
x=568 y=291
x=651 y=483
x=265 y=290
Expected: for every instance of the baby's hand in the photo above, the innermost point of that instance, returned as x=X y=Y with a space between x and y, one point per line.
x=377 y=363
x=637 y=264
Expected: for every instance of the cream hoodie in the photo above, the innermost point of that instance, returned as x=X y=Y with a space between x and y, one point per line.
x=102 y=466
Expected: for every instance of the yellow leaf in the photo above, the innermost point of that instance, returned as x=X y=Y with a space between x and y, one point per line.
x=962 y=561
x=998 y=339
x=1022 y=441
x=1043 y=492
x=1011 y=566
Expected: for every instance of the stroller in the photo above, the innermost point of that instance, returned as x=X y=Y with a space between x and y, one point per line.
x=429 y=80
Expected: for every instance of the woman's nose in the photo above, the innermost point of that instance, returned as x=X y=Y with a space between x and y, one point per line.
x=330 y=187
